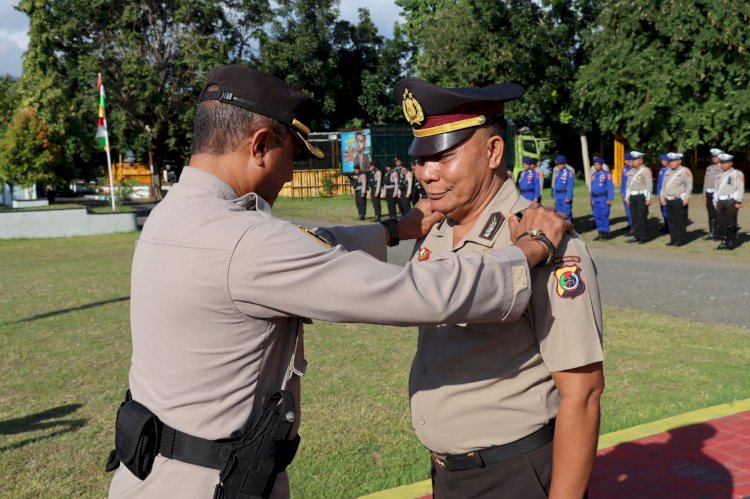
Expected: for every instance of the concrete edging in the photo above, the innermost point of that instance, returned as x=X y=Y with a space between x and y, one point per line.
x=63 y=223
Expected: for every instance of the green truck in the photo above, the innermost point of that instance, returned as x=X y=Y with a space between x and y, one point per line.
x=520 y=143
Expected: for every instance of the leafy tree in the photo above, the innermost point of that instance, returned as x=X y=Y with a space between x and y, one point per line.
x=153 y=55
x=394 y=63
x=27 y=155
x=8 y=95
x=679 y=77
x=480 y=42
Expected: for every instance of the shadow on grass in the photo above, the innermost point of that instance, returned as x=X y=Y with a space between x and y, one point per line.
x=46 y=315
x=39 y=421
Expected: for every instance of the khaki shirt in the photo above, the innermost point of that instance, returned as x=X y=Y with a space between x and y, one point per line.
x=730 y=184
x=220 y=290
x=678 y=182
x=481 y=384
x=640 y=181
x=709 y=179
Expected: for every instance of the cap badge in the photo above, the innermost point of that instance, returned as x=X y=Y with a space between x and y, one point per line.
x=412 y=109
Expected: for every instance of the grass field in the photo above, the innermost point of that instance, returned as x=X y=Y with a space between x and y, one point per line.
x=64 y=335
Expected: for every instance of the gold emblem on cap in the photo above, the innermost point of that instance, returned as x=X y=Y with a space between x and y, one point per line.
x=412 y=109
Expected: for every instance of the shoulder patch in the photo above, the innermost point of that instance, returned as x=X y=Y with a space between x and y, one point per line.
x=320 y=239
x=492 y=226
x=569 y=282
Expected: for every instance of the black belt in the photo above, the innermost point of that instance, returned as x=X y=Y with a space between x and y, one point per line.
x=490 y=455
x=561 y=191
x=598 y=195
x=527 y=190
x=210 y=453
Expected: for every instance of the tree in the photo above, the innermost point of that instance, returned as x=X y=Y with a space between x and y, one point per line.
x=667 y=74
x=481 y=42
x=153 y=55
x=27 y=155
x=8 y=96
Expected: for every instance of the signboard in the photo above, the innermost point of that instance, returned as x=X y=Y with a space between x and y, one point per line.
x=356 y=148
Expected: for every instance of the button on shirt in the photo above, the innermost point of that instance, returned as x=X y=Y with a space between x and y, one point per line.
x=489 y=383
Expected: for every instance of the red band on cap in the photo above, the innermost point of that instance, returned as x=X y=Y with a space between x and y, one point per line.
x=444 y=119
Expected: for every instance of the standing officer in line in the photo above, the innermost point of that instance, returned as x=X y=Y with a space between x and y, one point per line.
x=417 y=191
x=540 y=175
x=390 y=190
x=659 y=182
x=487 y=399
x=624 y=187
x=399 y=170
x=729 y=189
x=563 y=178
x=375 y=182
x=528 y=181
x=358 y=182
x=709 y=181
x=602 y=195
x=638 y=196
x=406 y=188
x=221 y=290
x=675 y=194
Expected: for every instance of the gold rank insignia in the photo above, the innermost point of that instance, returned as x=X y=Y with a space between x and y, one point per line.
x=412 y=109
x=315 y=236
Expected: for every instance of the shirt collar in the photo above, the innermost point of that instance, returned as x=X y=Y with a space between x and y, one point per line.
x=487 y=227
x=204 y=180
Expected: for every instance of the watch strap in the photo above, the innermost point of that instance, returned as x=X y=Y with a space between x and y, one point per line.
x=392 y=226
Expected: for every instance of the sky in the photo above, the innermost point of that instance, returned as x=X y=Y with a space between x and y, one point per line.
x=14 y=27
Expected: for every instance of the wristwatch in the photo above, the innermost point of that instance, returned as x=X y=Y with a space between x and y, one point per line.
x=391 y=226
x=539 y=235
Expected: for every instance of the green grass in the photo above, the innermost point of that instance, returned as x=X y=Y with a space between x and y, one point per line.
x=65 y=340
x=336 y=210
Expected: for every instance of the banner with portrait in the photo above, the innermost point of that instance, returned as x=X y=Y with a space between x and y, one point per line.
x=356 y=149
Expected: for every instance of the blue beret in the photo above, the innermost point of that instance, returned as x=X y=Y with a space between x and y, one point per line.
x=664 y=157
x=628 y=157
x=597 y=159
x=560 y=159
x=527 y=160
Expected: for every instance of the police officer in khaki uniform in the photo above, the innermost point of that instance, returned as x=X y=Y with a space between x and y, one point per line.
x=675 y=194
x=390 y=189
x=709 y=185
x=729 y=189
x=487 y=398
x=638 y=196
x=358 y=182
x=221 y=289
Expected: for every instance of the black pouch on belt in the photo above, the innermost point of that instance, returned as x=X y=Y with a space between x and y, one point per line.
x=262 y=452
x=137 y=434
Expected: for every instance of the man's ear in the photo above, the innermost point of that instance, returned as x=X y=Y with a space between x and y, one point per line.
x=258 y=144
x=495 y=150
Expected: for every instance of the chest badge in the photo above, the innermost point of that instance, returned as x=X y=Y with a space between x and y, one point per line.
x=423 y=254
x=569 y=281
x=492 y=226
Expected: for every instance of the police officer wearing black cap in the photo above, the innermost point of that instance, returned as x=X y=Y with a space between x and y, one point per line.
x=221 y=290
x=491 y=401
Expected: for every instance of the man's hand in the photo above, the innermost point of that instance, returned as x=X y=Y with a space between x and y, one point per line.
x=418 y=221
x=663 y=202
x=737 y=206
x=648 y=203
x=609 y=203
x=553 y=224
x=627 y=202
x=684 y=202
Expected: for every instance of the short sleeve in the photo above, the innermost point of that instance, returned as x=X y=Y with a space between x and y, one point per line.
x=566 y=308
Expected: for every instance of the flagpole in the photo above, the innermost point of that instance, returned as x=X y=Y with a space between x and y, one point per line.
x=105 y=133
x=109 y=167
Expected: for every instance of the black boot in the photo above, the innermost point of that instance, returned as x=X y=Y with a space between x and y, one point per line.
x=721 y=236
x=731 y=238
x=604 y=236
x=598 y=236
x=711 y=230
